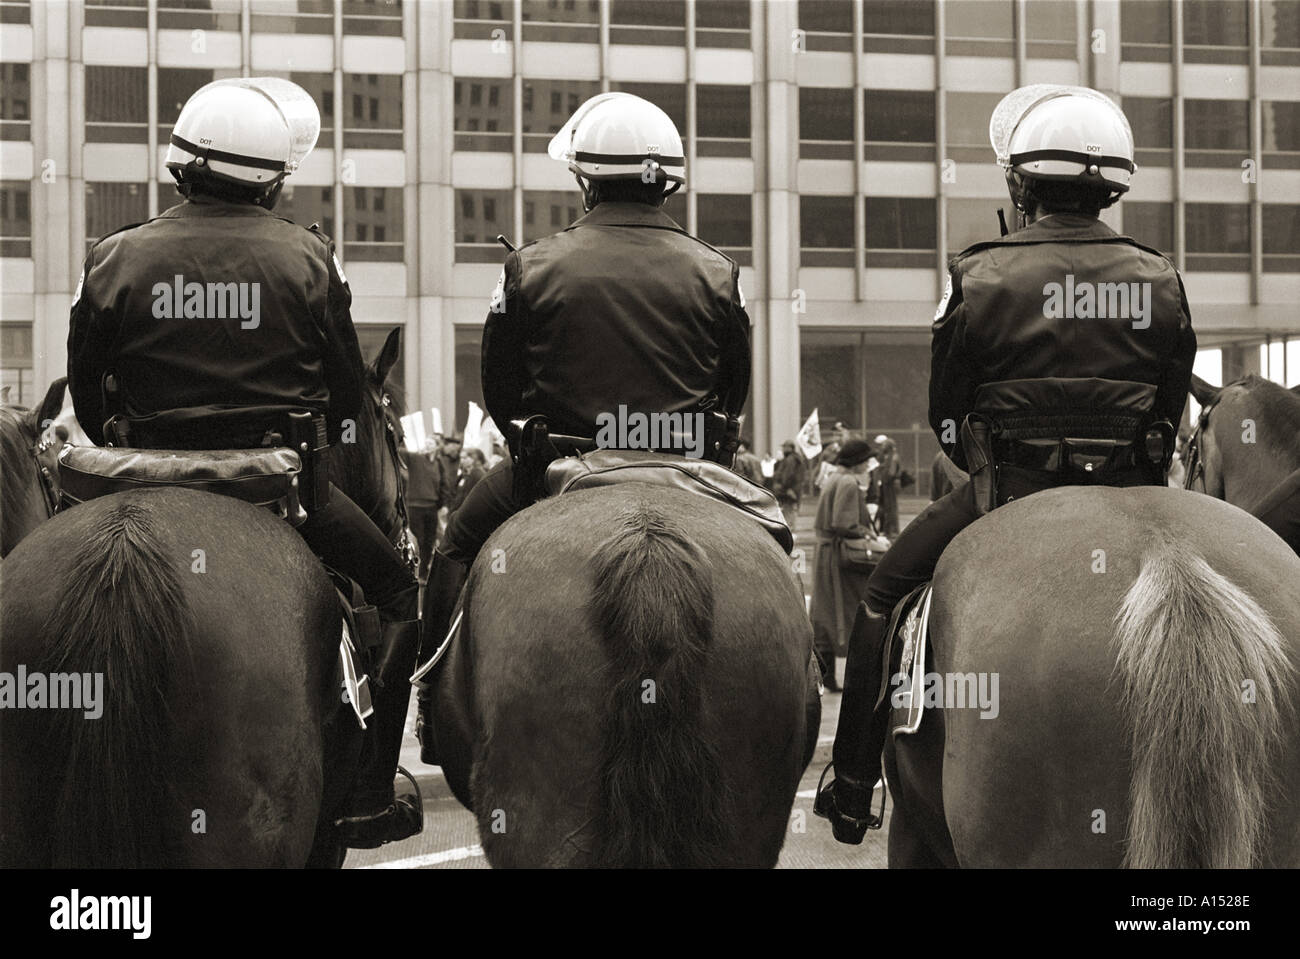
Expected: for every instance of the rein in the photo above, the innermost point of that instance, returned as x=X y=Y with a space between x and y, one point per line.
x=397 y=527
x=44 y=469
x=1195 y=459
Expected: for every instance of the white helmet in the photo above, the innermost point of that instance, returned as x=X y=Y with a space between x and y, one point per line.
x=250 y=131
x=1051 y=132
x=619 y=136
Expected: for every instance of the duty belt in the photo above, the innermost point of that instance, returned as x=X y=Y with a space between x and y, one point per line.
x=1062 y=455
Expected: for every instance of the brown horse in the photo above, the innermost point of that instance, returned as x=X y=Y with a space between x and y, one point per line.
x=214 y=631
x=633 y=685
x=1144 y=642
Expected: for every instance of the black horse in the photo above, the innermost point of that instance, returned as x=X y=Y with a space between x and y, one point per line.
x=215 y=631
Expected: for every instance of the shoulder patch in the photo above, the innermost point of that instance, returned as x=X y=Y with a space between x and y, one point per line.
x=740 y=291
x=943 y=304
x=496 y=303
x=338 y=266
x=81 y=281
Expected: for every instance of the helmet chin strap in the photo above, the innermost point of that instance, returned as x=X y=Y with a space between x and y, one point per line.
x=588 y=201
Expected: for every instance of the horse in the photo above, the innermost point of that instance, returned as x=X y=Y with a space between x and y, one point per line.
x=1141 y=645
x=1250 y=445
x=29 y=480
x=214 y=631
x=633 y=685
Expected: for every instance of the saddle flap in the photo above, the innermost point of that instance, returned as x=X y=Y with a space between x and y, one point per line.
x=264 y=477
x=699 y=476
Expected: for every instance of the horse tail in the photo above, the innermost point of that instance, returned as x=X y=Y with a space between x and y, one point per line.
x=122 y=618
x=1203 y=669
x=663 y=798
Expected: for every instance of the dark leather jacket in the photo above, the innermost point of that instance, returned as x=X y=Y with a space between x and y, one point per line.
x=1010 y=345
x=623 y=307
x=297 y=350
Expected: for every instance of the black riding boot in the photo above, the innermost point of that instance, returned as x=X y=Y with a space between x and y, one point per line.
x=441 y=593
x=379 y=812
x=860 y=735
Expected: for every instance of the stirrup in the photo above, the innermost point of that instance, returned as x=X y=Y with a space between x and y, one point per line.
x=852 y=827
x=400 y=819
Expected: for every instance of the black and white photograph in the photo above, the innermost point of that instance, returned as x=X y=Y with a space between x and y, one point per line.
x=814 y=435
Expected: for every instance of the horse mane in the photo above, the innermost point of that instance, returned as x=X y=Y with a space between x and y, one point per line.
x=351 y=465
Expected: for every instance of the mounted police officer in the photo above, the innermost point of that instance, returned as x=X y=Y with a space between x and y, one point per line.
x=1062 y=355
x=146 y=371
x=622 y=308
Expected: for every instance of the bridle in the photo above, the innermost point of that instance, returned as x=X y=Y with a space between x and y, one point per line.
x=45 y=466
x=399 y=531
x=1195 y=455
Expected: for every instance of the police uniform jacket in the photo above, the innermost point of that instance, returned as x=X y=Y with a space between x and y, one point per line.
x=1027 y=332
x=156 y=307
x=623 y=307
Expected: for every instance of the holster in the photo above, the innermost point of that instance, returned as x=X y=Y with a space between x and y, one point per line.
x=977 y=443
x=533 y=451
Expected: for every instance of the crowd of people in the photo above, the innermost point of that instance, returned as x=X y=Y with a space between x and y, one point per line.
x=439 y=478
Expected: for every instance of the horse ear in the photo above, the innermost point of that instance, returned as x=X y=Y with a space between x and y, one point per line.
x=53 y=402
x=1203 y=391
x=388 y=355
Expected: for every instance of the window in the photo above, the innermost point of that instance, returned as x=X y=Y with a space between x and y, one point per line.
x=1281 y=130
x=981 y=28
x=901 y=231
x=1215 y=31
x=306 y=205
x=117 y=104
x=375 y=18
x=480 y=216
x=661 y=22
x=895 y=117
x=175 y=87
x=16 y=369
x=209 y=15
x=321 y=88
x=1146 y=31
x=15 y=101
x=379 y=124
x=546 y=108
x=1218 y=236
x=482 y=20
x=1216 y=132
x=373 y=221
x=304 y=16
x=968 y=126
x=722 y=23
x=560 y=208
x=722 y=118
x=726 y=220
x=110 y=206
x=15 y=218
x=827 y=23
x=469 y=367
x=826 y=230
x=103 y=13
x=1050 y=29
x=572 y=22
x=1280 y=29
x=1150 y=223
x=1281 y=237
x=825 y=123
x=898 y=26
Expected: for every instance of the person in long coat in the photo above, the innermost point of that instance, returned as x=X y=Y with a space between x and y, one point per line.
x=837 y=590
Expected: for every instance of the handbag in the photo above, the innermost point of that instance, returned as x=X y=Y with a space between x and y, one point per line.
x=858 y=554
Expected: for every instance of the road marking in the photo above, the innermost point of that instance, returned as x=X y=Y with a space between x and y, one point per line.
x=431 y=858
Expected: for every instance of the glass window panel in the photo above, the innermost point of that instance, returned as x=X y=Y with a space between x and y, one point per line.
x=825 y=113
x=547 y=105
x=1152 y=120
x=1219 y=23
x=968 y=120
x=722 y=111
x=98 y=13
x=15 y=91
x=1147 y=22
x=913 y=17
x=16 y=344
x=1050 y=20
x=992 y=19
x=1280 y=23
x=469 y=368
x=117 y=95
x=725 y=220
x=302 y=16
x=1217 y=124
x=549 y=11
x=374 y=230
x=830 y=376
x=376 y=119
x=1281 y=125
x=826 y=222
x=199 y=14
x=15 y=218
x=1150 y=223
x=1218 y=227
x=826 y=16
x=1281 y=228
x=110 y=206
x=175 y=87
x=480 y=216
x=901 y=223
x=723 y=14
x=306 y=205
x=372 y=17
x=321 y=88
x=648 y=13
x=559 y=209
x=899 y=116
x=973 y=221
x=669 y=97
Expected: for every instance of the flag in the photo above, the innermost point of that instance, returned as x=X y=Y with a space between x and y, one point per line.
x=809 y=439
